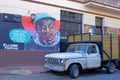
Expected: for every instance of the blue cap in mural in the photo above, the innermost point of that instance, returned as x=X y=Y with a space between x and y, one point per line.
x=42 y=15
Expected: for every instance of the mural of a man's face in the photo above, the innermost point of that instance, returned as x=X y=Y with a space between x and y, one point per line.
x=46 y=32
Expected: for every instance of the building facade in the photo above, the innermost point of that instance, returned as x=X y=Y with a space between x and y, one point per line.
x=70 y=16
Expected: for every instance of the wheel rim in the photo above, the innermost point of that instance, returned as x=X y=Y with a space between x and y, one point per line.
x=112 y=68
x=76 y=71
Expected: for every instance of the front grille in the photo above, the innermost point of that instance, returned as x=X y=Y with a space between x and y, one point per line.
x=53 y=61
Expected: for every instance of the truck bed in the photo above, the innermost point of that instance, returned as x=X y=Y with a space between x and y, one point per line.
x=110 y=43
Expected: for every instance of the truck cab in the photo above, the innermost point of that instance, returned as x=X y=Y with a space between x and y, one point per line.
x=89 y=51
x=78 y=56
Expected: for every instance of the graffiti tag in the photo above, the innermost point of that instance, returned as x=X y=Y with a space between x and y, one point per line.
x=10 y=46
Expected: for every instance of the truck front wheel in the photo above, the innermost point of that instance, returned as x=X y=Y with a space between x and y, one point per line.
x=110 y=68
x=74 y=71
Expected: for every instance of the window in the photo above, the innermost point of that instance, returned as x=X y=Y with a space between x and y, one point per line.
x=99 y=25
x=71 y=23
x=99 y=22
x=91 y=49
x=77 y=48
x=82 y=48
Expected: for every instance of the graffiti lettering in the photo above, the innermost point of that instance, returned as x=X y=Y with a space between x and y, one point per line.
x=10 y=46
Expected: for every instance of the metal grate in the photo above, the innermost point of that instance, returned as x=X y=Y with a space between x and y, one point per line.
x=53 y=61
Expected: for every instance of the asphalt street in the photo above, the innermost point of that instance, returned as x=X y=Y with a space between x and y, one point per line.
x=85 y=75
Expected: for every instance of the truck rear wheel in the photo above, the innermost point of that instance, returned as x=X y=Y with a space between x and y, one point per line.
x=74 y=71
x=119 y=64
x=110 y=68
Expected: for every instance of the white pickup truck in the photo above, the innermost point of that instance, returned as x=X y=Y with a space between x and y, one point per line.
x=80 y=56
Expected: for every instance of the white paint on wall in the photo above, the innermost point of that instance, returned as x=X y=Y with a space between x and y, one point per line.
x=27 y=8
x=110 y=22
x=89 y=19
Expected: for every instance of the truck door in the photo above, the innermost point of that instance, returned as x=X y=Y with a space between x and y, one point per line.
x=93 y=56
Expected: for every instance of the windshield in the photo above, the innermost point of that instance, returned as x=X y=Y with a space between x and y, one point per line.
x=77 y=48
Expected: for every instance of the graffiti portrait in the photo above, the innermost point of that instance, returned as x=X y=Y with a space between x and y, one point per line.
x=46 y=34
x=25 y=33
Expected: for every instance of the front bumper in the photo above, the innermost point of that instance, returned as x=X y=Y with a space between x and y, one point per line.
x=55 y=67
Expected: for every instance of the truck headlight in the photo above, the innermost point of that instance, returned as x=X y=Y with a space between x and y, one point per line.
x=45 y=59
x=61 y=61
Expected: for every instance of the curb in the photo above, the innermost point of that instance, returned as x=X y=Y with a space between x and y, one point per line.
x=26 y=70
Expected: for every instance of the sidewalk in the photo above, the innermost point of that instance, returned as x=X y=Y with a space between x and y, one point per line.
x=22 y=70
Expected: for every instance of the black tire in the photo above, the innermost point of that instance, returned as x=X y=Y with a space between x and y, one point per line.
x=110 y=68
x=118 y=65
x=74 y=71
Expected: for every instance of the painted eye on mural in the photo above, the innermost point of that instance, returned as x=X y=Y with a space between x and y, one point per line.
x=43 y=27
x=51 y=27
